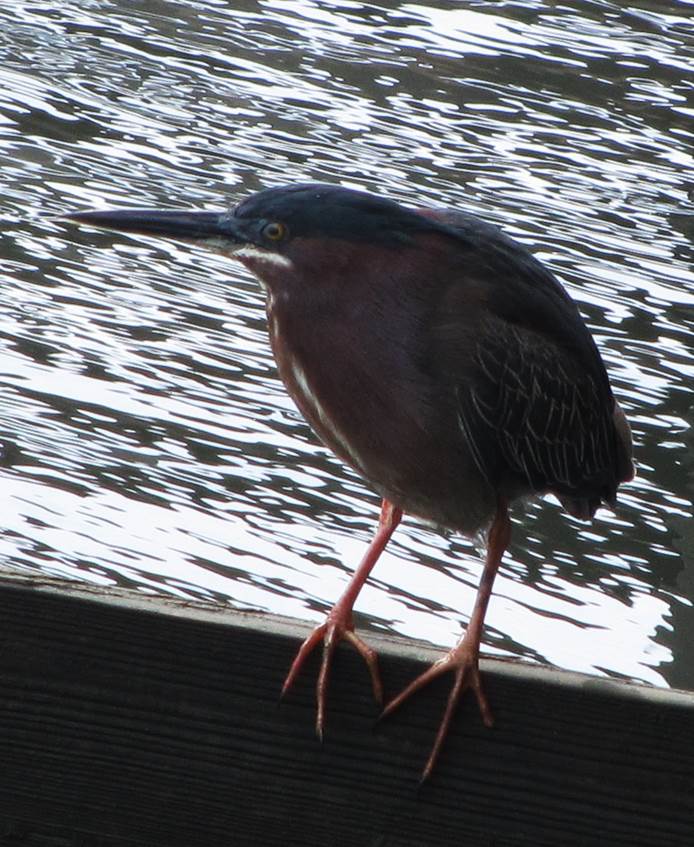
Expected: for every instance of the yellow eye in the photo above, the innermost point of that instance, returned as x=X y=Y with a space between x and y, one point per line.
x=275 y=231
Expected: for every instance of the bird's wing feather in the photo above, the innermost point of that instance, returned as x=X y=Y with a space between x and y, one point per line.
x=534 y=419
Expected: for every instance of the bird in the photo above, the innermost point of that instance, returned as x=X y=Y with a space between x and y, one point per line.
x=438 y=358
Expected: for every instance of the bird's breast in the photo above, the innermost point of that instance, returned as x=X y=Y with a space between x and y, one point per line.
x=337 y=384
x=366 y=404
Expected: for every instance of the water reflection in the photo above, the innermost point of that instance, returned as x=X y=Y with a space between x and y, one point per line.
x=145 y=439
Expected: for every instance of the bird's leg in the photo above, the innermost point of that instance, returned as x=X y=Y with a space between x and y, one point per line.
x=339 y=625
x=463 y=659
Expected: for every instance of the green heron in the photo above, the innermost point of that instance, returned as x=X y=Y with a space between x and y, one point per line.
x=438 y=358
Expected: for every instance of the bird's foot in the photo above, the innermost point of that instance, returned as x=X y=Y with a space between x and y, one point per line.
x=338 y=626
x=463 y=662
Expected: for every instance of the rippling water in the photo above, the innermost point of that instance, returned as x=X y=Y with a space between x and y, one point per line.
x=146 y=440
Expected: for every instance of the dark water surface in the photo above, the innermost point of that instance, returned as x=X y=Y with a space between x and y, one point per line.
x=146 y=439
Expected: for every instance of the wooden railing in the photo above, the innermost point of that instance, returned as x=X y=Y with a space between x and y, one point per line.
x=133 y=720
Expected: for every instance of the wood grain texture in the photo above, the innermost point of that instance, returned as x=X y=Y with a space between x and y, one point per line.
x=127 y=720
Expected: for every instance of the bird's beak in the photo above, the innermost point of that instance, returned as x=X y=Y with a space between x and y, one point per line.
x=218 y=228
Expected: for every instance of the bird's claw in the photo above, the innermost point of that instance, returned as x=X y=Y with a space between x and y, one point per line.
x=337 y=627
x=462 y=661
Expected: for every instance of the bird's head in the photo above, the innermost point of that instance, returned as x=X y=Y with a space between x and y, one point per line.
x=306 y=233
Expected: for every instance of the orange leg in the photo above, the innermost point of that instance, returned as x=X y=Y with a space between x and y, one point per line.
x=339 y=624
x=463 y=659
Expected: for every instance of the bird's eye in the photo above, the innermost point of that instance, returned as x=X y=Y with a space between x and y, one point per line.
x=275 y=231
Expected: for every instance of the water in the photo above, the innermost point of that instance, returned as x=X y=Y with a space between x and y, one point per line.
x=146 y=440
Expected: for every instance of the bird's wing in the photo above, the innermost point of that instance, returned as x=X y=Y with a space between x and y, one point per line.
x=532 y=394
x=535 y=420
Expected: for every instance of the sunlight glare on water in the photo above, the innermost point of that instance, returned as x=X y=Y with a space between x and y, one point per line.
x=146 y=439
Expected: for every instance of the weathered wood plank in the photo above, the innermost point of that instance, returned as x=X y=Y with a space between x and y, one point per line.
x=131 y=720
